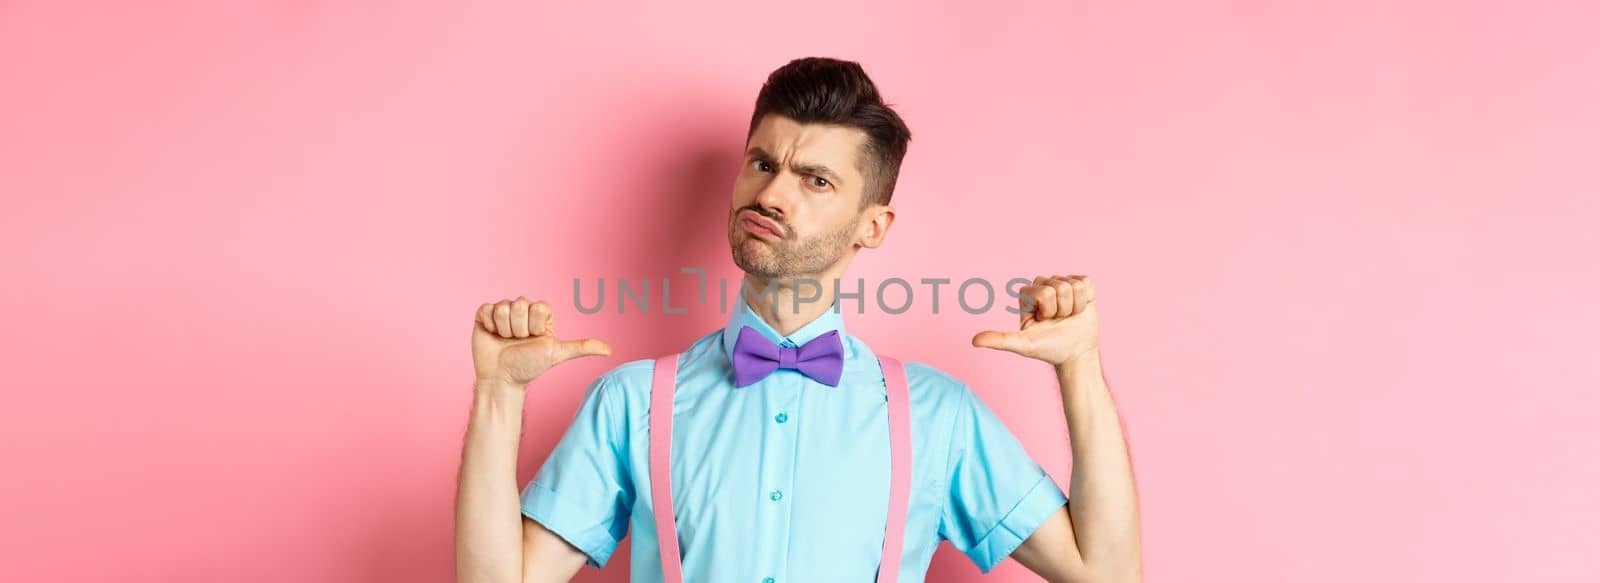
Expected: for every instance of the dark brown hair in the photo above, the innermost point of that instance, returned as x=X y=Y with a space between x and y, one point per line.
x=832 y=91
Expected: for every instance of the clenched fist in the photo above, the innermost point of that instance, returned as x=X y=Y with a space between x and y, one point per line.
x=1059 y=322
x=513 y=341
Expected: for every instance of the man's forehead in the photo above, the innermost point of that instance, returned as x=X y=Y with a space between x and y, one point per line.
x=837 y=146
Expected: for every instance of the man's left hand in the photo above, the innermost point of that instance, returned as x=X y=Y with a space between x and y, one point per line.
x=1059 y=323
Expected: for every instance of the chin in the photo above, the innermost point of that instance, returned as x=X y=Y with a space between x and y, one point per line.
x=752 y=254
x=752 y=260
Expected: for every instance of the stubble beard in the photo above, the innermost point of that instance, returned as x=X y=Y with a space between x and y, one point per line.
x=785 y=257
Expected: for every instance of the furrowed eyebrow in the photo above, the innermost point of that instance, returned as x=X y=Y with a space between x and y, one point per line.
x=814 y=169
x=818 y=170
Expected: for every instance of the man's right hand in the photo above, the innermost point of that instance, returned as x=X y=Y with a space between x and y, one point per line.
x=513 y=342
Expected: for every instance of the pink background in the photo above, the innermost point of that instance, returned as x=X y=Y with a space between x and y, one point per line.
x=1345 y=256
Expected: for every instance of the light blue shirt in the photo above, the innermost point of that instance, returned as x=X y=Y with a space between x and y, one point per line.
x=787 y=480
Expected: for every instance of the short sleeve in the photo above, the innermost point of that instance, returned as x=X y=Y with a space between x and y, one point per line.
x=998 y=495
x=583 y=492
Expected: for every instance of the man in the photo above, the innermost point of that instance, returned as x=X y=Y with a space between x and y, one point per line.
x=783 y=477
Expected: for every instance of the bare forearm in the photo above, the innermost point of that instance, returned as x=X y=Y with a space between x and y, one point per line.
x=1104 y=503
x=488 y=511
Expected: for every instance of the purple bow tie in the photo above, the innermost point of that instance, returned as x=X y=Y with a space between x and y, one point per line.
x=755 y=357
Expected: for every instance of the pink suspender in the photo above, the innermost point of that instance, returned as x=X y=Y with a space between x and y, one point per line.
x=662 y=387
x=894 y=378
x=661 y=390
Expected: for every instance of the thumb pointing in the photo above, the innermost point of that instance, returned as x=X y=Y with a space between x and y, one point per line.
x=570 y=349
x=1008 y=341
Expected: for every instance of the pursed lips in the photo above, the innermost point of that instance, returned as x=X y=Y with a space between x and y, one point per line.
x=758 y=224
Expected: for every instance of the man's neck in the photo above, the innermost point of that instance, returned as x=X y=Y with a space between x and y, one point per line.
x=787 y=303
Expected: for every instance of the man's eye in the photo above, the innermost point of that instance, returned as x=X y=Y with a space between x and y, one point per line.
x=819 y=182
x=762 y=166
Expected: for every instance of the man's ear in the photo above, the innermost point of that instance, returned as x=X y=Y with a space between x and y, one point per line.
x=876 y=228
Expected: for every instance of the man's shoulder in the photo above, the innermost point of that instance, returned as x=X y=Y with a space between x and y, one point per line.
x=917 y=367
x=931 y=383
x=919 y=370
x=634 y=377
x=613 y=386
x=921 y=376
x=630 y=373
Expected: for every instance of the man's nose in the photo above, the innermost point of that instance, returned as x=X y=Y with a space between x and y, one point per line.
x=777 y=195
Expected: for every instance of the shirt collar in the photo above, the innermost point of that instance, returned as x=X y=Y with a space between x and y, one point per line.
x=743 y=315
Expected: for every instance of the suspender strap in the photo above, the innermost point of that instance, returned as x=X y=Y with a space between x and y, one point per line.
x=662 y=388
x=894 y=378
